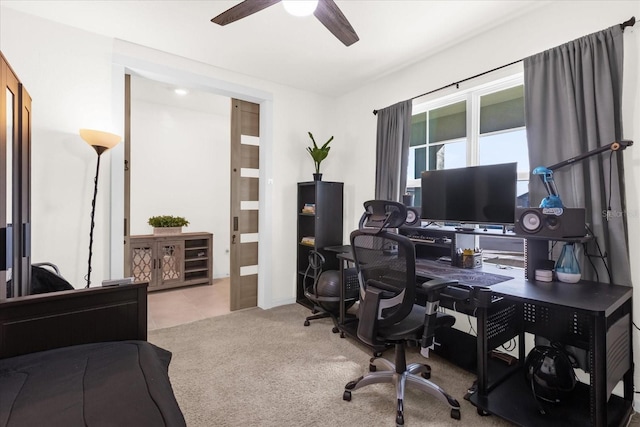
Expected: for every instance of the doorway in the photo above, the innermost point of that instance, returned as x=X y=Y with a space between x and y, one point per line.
x=177 y=163
x=163 y=74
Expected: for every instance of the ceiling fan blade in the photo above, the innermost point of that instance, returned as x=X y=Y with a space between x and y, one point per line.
x=331 y=17
x=242 y=10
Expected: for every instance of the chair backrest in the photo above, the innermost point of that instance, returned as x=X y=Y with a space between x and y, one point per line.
x=386 y=261
x=382 y=215
x=386 y=268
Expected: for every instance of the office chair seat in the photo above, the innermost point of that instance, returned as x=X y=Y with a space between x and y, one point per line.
x=410 y=328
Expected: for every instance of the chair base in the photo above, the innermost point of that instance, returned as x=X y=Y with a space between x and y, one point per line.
x=323 y=315
x=415 y=374
x=319 y=313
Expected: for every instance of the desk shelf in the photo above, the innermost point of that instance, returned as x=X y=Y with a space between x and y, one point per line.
x=513 y=400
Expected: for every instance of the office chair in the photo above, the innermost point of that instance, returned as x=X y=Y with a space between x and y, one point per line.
x=388 y=314
x=324 y=290
x=45 y=277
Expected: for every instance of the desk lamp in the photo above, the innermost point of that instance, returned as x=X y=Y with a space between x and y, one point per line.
x=101 y=142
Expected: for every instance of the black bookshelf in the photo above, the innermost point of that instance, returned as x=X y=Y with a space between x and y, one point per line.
x=323 y=224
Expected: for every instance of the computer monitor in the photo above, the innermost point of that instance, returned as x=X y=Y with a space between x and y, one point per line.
x=472 y=195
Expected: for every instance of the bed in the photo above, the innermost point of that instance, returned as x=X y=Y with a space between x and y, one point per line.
x=80 y=358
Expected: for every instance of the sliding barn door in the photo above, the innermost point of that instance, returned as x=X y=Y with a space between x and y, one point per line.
x=245 y=160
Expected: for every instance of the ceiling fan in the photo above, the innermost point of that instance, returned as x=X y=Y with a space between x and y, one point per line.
x=327 y=12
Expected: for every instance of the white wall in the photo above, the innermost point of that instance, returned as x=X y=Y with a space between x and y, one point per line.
x=68 y=75
x=179 y=166
x=75 y=79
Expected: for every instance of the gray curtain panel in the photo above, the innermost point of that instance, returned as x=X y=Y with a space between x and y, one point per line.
x=392 y=150
x=573 y=102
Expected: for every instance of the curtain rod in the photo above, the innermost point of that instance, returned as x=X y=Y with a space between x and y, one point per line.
x=629 y=23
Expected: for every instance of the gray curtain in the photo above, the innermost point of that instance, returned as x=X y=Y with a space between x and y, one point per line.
x=392 y=150
x=573 y=102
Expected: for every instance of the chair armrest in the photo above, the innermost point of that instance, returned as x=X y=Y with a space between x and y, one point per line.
x=432 y=288
x=437 y=284
x=368 y=314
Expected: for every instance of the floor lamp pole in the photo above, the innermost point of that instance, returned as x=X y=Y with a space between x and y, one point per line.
x=99 y=150
x=101 y=142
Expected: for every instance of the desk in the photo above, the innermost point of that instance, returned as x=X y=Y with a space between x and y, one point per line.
x=345 y=258
x=592 y=316
x=462 y=298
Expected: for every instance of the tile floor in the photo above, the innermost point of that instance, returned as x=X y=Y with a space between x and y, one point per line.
x=184 y=305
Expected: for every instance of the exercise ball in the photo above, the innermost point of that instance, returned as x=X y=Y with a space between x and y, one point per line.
x=550 y=374
x=329 y=286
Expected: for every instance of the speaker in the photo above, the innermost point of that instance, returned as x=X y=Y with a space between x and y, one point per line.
x=413 y=216
x=545 y=222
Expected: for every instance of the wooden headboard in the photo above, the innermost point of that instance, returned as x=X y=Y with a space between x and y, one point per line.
x=60 y=319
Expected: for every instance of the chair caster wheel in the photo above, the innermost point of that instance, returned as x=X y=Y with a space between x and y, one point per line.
x=335 y=330
x=306 y=323
x=346 y=396
x=351 y=384
x=341 y=334
x=455 y=414
x=372 y=367
x=426 y=375
x=399 y=420
x=482 y=412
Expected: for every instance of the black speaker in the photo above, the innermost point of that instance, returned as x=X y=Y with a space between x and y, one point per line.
x=537 y=222
x=413 y=216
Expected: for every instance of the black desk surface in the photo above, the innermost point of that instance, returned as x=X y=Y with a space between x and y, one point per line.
x=589 y=296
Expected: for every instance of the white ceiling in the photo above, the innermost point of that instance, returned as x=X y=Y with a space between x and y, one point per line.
x=278 y=47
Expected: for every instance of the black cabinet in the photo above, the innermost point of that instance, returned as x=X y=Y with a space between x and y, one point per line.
x=320 y=211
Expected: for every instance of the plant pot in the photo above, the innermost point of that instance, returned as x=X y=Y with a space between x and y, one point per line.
x=317 y=177
x=166 y=230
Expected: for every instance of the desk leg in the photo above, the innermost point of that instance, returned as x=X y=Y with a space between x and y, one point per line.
x=598 y=392
x=342 y=307
x=482 y=350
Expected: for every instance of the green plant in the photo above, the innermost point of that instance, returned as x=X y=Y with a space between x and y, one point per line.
x=168 y=221
x=319 y=153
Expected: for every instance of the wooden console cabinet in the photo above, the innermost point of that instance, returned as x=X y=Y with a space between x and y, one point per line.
x=169 y=261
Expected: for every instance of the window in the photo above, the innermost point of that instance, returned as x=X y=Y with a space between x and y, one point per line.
x=481 y=126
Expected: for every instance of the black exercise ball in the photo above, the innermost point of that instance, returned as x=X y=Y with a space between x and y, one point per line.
x=329 y=287
x=329 y=283
x=549 y=373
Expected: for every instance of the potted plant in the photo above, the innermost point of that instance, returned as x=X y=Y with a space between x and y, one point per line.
x=167 y=224
x=318 y=154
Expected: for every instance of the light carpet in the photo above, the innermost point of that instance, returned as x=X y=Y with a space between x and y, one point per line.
x=264 y=368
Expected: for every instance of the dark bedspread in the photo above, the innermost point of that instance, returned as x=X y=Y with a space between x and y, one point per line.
x=122 y=383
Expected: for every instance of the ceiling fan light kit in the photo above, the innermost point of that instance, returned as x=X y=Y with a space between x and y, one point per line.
x=326 y=11
x=300 y=7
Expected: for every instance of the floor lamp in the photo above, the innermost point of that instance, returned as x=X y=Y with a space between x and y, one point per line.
x=101 y=142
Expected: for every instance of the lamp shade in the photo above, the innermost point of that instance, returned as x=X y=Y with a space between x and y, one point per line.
x=97 y=138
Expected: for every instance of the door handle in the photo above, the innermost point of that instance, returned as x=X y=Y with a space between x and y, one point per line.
x=235 y=223
x=233 y=239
